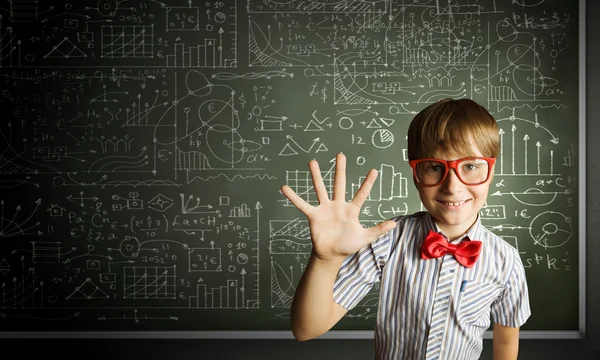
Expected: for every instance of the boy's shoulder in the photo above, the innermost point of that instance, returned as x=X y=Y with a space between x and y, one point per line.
x=497 y=242
x=499 y=251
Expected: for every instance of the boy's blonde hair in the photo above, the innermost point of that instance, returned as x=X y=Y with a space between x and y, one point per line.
x=451 y=126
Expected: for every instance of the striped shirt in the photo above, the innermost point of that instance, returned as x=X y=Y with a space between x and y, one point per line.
x=437 y=308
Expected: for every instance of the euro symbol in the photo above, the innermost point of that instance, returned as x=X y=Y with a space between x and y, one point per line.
x=367 y=211
x=162 y=154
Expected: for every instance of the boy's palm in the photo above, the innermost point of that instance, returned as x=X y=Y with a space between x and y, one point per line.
x=336 y=231
x=334 y=226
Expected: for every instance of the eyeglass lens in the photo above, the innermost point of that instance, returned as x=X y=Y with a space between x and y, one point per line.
x=470 y=171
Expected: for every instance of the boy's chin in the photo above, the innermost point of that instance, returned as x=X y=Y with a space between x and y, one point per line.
x=462 y=222
x=454 y=217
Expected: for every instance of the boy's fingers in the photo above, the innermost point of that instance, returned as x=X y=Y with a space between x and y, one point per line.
x=339 y=184
x=298 y=202
x=362 y=193
x=315 y=173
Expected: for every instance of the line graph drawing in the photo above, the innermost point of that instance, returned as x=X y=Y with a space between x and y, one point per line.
x=156 y=282
x=282 y=286
x=127 y=42
x=65 y=50
x=15 y=225
x=88 y=290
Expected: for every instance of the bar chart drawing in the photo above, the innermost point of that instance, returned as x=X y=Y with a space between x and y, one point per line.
x=207 y=55
x=525 y=151
x=240 y=211
x=228 y=296
x=389 y=185
x=215 y=37
x=191 y=160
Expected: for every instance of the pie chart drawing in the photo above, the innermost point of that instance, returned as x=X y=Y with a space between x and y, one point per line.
x=551 y=229
x=382 y=138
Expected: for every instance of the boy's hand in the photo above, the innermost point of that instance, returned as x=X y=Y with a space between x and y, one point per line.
x=334 y=226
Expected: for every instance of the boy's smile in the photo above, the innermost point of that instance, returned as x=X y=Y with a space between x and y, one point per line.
x=454 y=205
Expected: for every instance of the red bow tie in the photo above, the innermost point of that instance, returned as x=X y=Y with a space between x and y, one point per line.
x=435 y=246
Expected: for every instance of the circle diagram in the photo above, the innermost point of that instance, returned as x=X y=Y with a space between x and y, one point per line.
x=551 y=229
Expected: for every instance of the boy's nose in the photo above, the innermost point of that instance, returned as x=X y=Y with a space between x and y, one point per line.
x=452 y=183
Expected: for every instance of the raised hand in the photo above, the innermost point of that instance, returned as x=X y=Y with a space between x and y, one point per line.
x=335 y=229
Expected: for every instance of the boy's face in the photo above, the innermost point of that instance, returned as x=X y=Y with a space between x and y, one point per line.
x=454 y=205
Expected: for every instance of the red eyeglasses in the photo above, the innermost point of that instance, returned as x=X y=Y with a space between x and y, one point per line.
x=470 y=170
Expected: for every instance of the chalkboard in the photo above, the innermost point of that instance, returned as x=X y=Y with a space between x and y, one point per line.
x=143 y=146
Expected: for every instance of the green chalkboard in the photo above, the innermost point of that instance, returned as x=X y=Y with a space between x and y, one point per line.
x=143 y=147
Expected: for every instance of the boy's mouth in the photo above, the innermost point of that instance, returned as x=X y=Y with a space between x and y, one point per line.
x=454 y=204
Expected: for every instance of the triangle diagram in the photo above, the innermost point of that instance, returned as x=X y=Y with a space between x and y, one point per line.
x=287 y=151
x=313 y=126
x=322 y=147
x=373 y=125
x=387 y=121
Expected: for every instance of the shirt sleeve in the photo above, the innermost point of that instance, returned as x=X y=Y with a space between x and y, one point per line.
x=512 y=307
x=360 y=271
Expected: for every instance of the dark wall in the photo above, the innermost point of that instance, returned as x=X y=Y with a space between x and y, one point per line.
x=550 y=349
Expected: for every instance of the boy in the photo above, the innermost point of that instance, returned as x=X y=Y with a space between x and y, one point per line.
x=443 y=275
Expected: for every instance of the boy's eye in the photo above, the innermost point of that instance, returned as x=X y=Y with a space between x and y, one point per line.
x=434 y=167
x=470 y=167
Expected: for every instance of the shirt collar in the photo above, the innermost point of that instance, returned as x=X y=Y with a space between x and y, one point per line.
x=473 y=232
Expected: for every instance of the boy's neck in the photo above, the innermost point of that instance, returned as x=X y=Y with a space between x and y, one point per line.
x=454 y=232
x=453 y=236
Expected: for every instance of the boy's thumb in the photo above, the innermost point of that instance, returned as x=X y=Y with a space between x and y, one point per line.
x=381 y=229
x=387 y=226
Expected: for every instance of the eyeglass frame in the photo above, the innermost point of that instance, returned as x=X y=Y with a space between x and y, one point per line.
x=452 y=165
